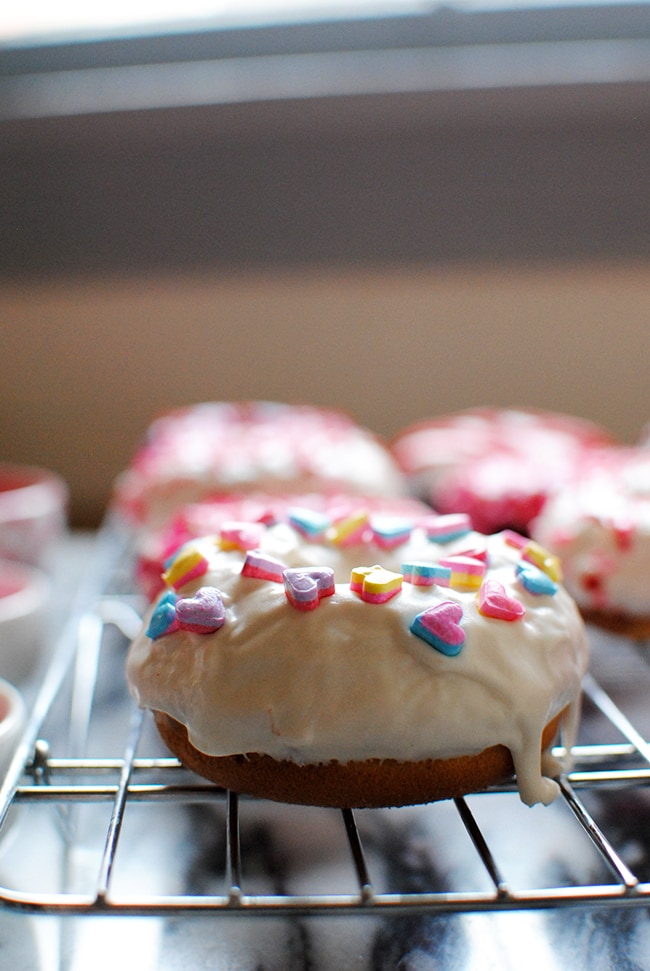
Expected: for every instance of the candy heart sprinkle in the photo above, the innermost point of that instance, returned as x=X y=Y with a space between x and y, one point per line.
x=440 y=627
x=493 y=601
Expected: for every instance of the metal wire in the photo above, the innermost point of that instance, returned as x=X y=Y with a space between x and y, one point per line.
x=626 y=888
x=39 y=779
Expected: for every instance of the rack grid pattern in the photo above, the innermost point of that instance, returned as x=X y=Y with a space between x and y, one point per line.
x=38 y=778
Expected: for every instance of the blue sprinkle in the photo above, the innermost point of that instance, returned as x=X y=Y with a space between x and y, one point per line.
x=163 y=616
x=536 y=581
x=391 y=527
x=308 y=522
x=426 y=574
x=421 y=629
x=447 y=536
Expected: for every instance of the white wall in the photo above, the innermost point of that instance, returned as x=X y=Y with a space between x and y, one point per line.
x=87 y=363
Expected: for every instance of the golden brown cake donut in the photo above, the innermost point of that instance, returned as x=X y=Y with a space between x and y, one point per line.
x=367 y=784
x=388 y=688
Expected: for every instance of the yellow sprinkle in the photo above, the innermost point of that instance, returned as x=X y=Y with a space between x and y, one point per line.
x=359 y=574
x=381 y=581
x=188 y=561
x=465 y=581
x=541 y=558
x=342 y=531
x=374 y=584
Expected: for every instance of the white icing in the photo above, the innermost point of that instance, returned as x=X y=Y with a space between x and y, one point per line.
x=349 y=681
x=600 y=528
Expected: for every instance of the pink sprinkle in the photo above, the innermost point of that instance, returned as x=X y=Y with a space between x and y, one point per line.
x=447 y=527
x=475 y=553
x=464 y=564
x=192 y=574
x=260 y=566
x=379 y=598
x=561 y=536
x=515 y=539
x=350 y=530
x=306 y=587
x=593 y=582
x=493 y=601
x=593 y=579
x=267 y=518
x=466 y=572
x=440 y=627
x=426 y=574
x=188 y=564
x=374 y=584
x=389 y=532
x=623 y=531
x=241 y=536
x=204 y=613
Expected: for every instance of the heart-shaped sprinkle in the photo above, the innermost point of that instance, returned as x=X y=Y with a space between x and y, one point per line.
x=426 y=574
x=514 y=539
x=267 y=517
x=535 y=581
x=241 y=536
x=374 y=584
x=308 y=522
x=188 y=564
x=305 y=587
x=203 y=613
x=493 y=601
x=390 y=531
x=261 y=566
x=478 y=552
x=349 y=530
x=466 y=572
x=444 y=529
x=541 y=558
x=163 y=619
x=440 y=627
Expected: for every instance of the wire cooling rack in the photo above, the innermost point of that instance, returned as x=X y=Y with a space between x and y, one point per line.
x=88 y=763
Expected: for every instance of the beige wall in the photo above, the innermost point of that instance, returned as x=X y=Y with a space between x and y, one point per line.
x=87 y=363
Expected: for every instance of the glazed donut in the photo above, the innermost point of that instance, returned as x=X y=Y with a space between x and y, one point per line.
x=599 y=526
x=218 y=447
x=389 y=688
x=497 y=465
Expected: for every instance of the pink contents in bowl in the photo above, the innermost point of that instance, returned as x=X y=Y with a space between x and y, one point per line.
x=33 y=504
x=10 y=585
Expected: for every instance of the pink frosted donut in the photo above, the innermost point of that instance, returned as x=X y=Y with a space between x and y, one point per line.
x=227 y=447
x=599 y=526
x=497 y=465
